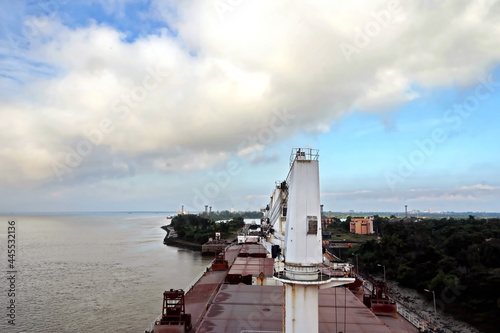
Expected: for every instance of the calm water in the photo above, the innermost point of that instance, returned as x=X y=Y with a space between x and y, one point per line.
x=91 y=273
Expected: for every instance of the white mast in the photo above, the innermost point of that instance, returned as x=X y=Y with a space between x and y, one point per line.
x=303 y=245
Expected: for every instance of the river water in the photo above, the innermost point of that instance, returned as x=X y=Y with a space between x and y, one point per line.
x=89 y=272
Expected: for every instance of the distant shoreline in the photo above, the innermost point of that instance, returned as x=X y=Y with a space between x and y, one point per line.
x=327 y=213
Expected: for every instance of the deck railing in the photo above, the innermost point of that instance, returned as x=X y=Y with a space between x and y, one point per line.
x=304 y=154
x=151 y=327
x=414 y=319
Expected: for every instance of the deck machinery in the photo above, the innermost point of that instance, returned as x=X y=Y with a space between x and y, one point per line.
x=379 y=300
x=174 y=318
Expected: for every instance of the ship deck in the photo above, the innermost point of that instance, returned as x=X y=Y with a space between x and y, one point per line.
x=198 y=298
x=260 y=308
x=216 y=307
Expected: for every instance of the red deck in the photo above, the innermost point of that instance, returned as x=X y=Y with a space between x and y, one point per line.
x=233 y=308
x=244 y=268
x=201 y=294
x=253 y=250
x=260 y=308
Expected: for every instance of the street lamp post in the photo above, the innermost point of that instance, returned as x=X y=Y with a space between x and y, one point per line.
x=383 y=268
x=434 y=298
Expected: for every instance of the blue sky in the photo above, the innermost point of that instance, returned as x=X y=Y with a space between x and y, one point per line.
x=150 y=105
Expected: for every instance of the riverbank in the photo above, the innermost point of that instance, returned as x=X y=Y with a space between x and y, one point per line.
x=182 y=244
x=417 y=303
x=171 y=239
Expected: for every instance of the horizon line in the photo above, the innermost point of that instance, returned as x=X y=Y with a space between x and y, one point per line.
x=238 y=211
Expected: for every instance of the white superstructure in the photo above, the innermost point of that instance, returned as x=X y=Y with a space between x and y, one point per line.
x=302 y=243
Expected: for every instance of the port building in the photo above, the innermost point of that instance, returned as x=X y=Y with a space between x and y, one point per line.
x=362 y=225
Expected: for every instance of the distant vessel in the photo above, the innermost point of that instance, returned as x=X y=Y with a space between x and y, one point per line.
x=274 y=279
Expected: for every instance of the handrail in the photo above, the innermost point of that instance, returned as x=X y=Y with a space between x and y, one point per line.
x=193 y=282
x=209 y=301
x=413 y=318
x=152 y=325
x=304 y=154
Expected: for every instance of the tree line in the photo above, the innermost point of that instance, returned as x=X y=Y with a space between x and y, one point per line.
x=458 y=259
x=198 y=228
x=227 y=215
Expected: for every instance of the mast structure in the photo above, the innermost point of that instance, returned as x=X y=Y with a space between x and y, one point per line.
x=303 y=245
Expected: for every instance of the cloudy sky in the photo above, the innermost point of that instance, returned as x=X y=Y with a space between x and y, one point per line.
x=149 y=105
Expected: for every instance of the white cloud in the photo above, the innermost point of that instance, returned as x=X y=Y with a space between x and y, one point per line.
x=420 y=197
x=482 y=187
x=221 y=79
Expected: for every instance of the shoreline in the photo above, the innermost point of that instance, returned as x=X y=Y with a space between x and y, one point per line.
x=171 y=239
x=417 y=303
x=175 y=242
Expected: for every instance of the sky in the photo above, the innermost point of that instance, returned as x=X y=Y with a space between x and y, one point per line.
x=122 y=105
